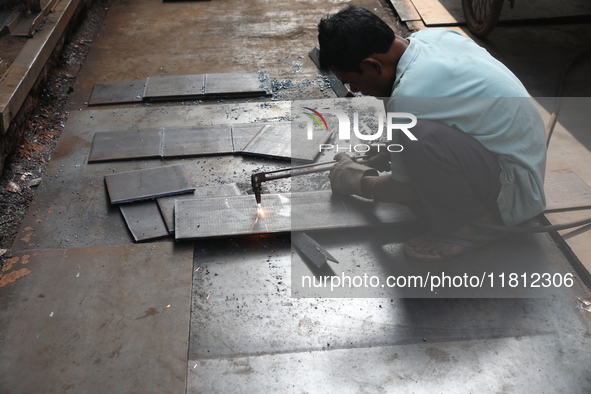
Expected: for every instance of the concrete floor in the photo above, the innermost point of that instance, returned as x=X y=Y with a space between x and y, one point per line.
x=84 y=309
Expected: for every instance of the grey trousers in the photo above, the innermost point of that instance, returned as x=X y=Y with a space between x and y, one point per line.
x=456 y=179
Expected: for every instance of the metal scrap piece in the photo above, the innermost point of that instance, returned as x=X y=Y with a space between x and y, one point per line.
x=311 y=249
x=144 y=220
x=148 y=184
x=117 y=92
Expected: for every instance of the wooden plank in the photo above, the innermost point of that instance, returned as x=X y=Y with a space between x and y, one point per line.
x=166 y=204
x=274 y=140
x=234 y=84
x=446 y=12
x=148 y=184
x=406 y=10
x=117 y=92
x=144 y=220
x=302 y=211
x=125 y=145
x=197 y=141
x=174 y=86
x=564 y=190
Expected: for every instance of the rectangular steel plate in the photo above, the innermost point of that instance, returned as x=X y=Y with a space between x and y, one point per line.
x=319 y=210
x=117 y=92
x=196 y=141
x=148 y=184
x=564 y=189
x=174 y=86
x=274 y=140
x=144 y=220
x=234 y=84
x=122 y=145
x=242 y=134
x=166 y=204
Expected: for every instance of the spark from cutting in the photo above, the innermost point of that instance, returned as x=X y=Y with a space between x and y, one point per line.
x=260 y=215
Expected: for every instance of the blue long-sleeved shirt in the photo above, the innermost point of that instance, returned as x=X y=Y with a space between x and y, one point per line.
x=445 y=77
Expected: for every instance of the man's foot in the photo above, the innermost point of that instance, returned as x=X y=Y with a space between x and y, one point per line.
x=432 y=248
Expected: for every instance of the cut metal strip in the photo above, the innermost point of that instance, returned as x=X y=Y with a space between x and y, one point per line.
x=117 y=92
x=302 y=211
x=144 y=220
x=148 y=184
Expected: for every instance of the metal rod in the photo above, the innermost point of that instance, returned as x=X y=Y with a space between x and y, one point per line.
x=293 y=173
x=303 y=166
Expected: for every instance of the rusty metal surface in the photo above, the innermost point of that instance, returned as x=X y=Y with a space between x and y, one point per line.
x=148 y=184
x=302 y=211
x=166 y=204
x=197 y=141
x=275 y=140
x=144 y=220
x=117 y=92
x=84 y=319
x=125 y=145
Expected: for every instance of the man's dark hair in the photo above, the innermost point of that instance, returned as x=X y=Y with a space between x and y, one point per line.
x=351 y=35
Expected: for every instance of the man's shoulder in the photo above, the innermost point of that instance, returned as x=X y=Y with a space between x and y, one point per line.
x=437 y=33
